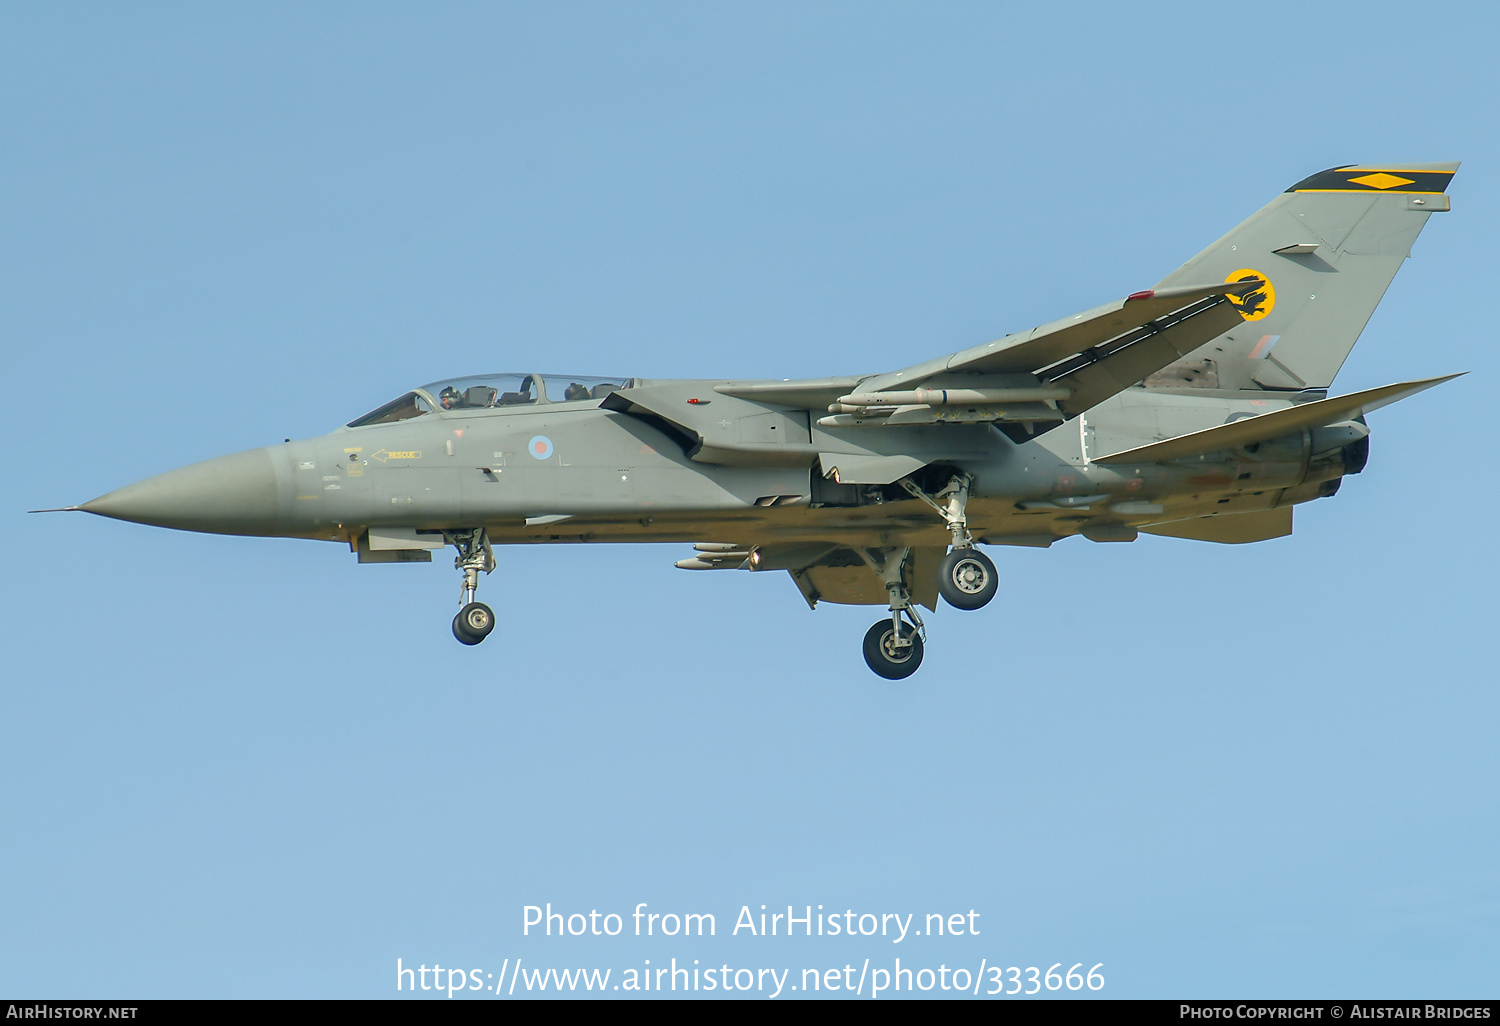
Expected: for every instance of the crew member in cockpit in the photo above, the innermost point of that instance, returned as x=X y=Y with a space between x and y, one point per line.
x=450 y=397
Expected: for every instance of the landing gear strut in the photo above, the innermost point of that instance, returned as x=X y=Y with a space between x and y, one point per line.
x=966 y=578
x=893 y=647
x=475 y=620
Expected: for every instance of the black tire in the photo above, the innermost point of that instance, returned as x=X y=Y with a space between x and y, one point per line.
x=967 y=579
x=473 y=623
x=892 y=663
x=462 y=635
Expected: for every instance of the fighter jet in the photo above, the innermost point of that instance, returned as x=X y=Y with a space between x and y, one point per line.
x=1198 y=409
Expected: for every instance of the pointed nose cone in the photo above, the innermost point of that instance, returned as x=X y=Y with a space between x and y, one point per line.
x=230 y=495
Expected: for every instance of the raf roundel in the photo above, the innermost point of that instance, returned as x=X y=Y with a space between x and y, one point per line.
x=540 y=447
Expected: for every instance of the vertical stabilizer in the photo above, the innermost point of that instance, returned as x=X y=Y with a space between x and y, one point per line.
x=1328 y=248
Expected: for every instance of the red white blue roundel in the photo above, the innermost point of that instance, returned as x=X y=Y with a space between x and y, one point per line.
x=540 y=447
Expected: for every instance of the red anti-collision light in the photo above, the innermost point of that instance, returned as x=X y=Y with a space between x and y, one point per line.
x=694 y=402
x=1148 y=294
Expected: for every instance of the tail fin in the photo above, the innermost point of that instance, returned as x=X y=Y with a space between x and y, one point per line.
x=1328 y=248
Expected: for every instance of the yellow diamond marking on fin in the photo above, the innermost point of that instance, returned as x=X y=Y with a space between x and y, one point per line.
x=1380 y=180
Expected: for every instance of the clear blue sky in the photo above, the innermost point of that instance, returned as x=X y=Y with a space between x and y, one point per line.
x=240 y=767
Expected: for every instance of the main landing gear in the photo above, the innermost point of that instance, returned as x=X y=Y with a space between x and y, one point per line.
x=475 y=620
x=966 y=579
x=893 y=647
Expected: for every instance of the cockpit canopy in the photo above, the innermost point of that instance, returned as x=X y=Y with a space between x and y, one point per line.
x=491 y=391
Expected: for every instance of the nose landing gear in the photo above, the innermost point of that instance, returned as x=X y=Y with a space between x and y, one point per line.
x=473 y=623
x=475 y=620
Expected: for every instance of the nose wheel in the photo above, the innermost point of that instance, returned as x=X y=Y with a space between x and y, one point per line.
x=475 y=620
x=473 y=623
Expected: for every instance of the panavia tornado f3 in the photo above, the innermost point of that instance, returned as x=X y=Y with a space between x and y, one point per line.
x=1195 y=409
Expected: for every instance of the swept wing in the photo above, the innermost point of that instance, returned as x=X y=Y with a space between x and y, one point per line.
x=1094 y=354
